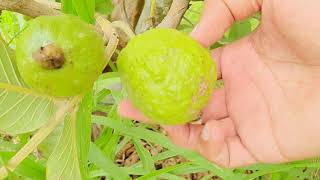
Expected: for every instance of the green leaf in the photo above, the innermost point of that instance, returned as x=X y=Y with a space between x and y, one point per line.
x=163 y=171
x=238 y=30
x=85 y=9
x=279 y=176
x=263 y=169
x=6 y=146
x=170 y=176
x=67 y=7
x=111 y=147
x=69 y=158
x=46 y=145
x=11 y=24
x=21 y=110
x=27 y=168
x=104 y=6
x=144 y=155
x=123 y=142
x=191 y=17
x=151 y=136
x=97 y=157
x=189 y=169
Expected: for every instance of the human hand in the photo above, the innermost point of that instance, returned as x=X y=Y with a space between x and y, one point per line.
x=268 y=109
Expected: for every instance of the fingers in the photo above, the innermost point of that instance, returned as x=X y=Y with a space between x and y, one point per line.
x=219 y=15
x=217 y=107
x=127 y=110
x=217 y=141
x=232 y=153
x=185 y=136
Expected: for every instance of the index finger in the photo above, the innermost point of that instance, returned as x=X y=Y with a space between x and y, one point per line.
x=219 y=15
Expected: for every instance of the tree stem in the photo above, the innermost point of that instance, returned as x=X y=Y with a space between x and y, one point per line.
x=175 y=14
x=28 y=7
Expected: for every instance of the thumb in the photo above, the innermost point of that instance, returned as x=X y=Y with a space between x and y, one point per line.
x=219 y=15
x=127 y=110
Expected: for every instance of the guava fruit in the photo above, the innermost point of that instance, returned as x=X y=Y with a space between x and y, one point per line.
x=167 y=75
x=60 y=55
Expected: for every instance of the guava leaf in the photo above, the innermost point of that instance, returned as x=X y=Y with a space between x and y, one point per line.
x=85 y=9
x=11 y=24
x=20 y=110
x=67 y=7
x=191 y=17
x=28 y=168
x=46 y=145
x=69 y=157
x=240 y=29
x=104 y=6
x=107 y=83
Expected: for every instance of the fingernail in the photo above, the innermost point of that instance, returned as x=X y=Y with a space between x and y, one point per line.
x=205 y=134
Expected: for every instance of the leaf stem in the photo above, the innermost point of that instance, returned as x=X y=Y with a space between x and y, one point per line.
x=113 y=66
x=153 y=8
x=41 y=134
x=22 y=90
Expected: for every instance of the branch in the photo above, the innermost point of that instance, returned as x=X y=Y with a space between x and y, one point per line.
x=175 y=14
x=28 y=7
x=50 y=4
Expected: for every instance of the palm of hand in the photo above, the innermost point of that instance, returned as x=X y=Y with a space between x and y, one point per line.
x=266 y=111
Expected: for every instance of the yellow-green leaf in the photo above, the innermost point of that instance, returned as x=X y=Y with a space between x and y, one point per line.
x=21 y=110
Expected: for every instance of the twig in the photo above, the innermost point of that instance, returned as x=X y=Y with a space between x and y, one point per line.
x=27 y=7
x=51 y=4
x=124 y=27
x=111 y=33
x=39 y=136
x=175 y=14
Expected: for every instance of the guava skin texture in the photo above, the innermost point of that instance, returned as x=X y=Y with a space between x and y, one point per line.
x=83 y=53
x=167 y=75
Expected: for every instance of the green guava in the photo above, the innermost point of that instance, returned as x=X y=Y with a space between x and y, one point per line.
x=167 y=75
x=60 y=55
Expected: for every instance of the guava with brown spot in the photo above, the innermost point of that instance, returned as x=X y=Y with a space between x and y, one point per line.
x=167 y=75
x=60 y=55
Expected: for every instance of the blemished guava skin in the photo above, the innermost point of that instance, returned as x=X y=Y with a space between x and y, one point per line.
x=83 y=50
x=167 y=75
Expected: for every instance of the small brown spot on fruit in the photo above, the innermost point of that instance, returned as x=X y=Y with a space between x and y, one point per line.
x=49 y=57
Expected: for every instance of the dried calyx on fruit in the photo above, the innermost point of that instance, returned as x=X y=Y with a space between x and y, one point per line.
x=49 y=57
